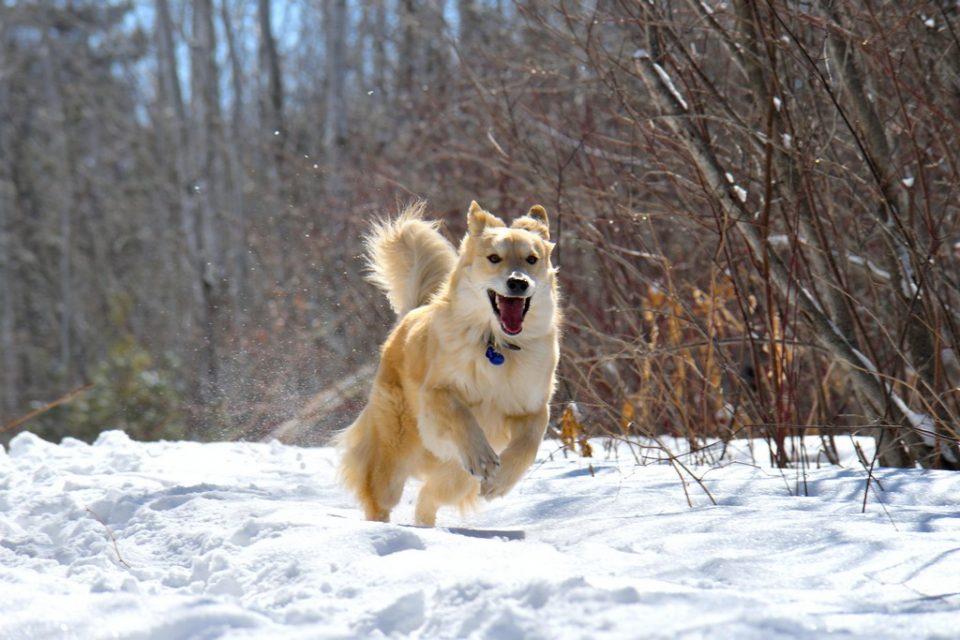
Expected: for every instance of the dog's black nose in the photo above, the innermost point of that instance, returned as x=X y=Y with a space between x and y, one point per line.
x=517 y=285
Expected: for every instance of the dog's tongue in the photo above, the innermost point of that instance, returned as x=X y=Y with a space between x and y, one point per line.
x=511 y=313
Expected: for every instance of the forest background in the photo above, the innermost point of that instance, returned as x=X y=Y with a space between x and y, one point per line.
x=755 y=204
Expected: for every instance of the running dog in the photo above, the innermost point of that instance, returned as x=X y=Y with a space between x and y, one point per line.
x=461 y=396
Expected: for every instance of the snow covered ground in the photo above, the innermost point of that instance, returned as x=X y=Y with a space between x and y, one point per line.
x=237 y=540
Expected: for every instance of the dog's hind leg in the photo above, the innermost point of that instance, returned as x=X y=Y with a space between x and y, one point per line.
x=373 y=464
x=381 y=489
x=448 y=485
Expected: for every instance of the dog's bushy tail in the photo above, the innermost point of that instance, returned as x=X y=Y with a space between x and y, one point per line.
x=408 y=258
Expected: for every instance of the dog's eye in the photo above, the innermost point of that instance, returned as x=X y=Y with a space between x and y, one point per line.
x=531 y=259
x=494 y=258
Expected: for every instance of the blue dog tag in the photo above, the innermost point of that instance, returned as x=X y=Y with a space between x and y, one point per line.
x=494 y=356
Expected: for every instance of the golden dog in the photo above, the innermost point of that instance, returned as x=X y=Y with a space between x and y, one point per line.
x=460 y=399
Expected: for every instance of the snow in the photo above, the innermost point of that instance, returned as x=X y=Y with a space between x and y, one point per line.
x=871 y=266
x=926 y=427
x=668 y=81
x=643 y=54
x=739 y=191
x=922 y=423
x=908 y=284
x=122 y=539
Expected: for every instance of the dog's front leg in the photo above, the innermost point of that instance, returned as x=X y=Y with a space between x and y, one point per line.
x=526 y=434
x=450 y=431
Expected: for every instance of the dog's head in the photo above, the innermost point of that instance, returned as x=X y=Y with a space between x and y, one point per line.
x=510 y=268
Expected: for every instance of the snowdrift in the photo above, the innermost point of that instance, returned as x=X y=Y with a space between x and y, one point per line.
x=122 y=539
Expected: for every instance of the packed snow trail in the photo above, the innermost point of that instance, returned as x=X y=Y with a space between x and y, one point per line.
x=123 y=539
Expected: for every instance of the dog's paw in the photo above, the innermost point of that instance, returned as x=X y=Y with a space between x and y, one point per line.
x=482 y=461
x=493 y=487
x=499 y=484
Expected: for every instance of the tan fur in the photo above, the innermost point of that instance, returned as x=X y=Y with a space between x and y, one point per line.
x=408 y=259
x=439 y=410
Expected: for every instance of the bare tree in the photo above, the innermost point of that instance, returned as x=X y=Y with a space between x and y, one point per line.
x=756 y=159
x=335 y=122
x=755 y=205
x=9 y=378
x=207 y=188
x=174 y=127
x=271 y=101
x=236 y=255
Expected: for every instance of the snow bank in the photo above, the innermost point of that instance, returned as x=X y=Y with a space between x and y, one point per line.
x=235 y=540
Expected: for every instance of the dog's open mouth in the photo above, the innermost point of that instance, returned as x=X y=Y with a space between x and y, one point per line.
x=510 y=310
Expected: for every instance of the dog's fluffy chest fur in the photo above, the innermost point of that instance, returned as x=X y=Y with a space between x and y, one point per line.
x=518 y=386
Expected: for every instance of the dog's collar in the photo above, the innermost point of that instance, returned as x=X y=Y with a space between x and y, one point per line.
x=495 y=357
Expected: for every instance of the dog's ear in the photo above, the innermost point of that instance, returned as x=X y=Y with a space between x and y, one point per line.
x=537 y=212
x=478 y=219
x=535 y=221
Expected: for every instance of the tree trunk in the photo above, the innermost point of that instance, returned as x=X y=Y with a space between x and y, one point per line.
x=380 y=60
x=409 y=52
x=172 y=121
x=9 y=378
x=66 y=200
x=237 y=251
x=335 y=122
x=208 y=169
x=271 y=103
